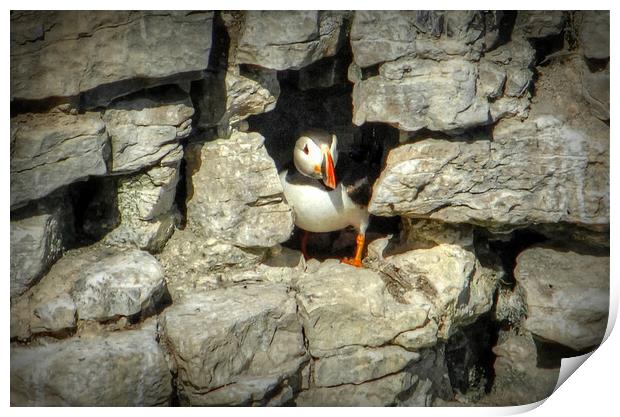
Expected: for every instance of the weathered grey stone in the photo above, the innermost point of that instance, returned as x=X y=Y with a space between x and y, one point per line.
x=423 y=337
x=50 y=150
x=36 y=242
x=355 y=364
x=106 y=47
x=50 y=305
x=566 y=293
x=540 y=171
x=539 y=23
x=382 y=36
x=596 y=91
x=235 y=195
x=413 y=92
x=452 y=281
x=227 y=99
x=380 y=393
x=125 y=284
x=288 y=39
x=54 y=315
x=519 y=379
x=145 y=203
x=248 y=342
x=146 y=129
x=594 y=33
x=116 y=369
x=342 y=306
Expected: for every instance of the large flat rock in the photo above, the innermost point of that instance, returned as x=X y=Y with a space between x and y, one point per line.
x=288 y=39
x=235 y=194
x=50 y=150
x=539 y=171
x=567 y=295
x=234 y=346
x=116 y=369
x=64 y=53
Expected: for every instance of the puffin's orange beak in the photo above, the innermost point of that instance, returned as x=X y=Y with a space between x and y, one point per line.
x=327 y=169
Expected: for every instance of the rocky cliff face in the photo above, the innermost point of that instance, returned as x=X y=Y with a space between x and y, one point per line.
x=154 y=258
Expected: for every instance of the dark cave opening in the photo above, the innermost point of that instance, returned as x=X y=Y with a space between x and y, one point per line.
x=470 y=358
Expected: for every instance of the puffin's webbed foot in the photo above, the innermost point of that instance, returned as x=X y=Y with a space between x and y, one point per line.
x=359 y=249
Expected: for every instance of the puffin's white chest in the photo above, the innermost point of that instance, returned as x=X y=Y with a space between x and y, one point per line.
x=318 y=210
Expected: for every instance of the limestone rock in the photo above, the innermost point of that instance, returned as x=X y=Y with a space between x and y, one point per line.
x=540 y=171
x=235 y=97
x=120 y=285
x=249 y=341
x=354 y=365
x=288 y=39
x=117 y=369
x=380 y=393
x=235 y=194
x=539 y=23
x=106 y=47
x=382 y=36
x=89 y=284
x=50 y=150
x=433 y=71
x=146 y=128
x=36 y=242
x=519 y=379
x=596 y=91
x=452 y=281
x=566 y=293
x=594 y=33
x=342 y=306
x=192 y=263
x=146 y=207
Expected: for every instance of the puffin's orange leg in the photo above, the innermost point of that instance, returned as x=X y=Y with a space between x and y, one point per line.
x=359 y=248
x=304 y=244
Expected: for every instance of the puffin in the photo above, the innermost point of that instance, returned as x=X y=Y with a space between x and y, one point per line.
x=327 y=191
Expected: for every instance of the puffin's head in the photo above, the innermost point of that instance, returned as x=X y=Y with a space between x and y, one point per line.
x=315 y=156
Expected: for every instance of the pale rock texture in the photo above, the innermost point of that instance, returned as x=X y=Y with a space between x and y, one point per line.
x=125 y=284
x=594 y=33
x=452 y=281
x=234 y=346
x=54 y=149
x=433 y=71
x=288 y=39
x=539 y=23
x=518 y=378
x=36 y=242
x=539 y=171
x=357 y=364
x=106 y=47
x=231 y=97
x=382 y=36
x=146 y=128
x=341 y=306
x=235 y=195
x=596 y=91
x=146 y=205
x=115 y=369
x=97 y=284
x=567 y=295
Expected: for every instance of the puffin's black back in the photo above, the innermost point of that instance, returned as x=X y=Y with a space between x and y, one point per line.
x=358 y=169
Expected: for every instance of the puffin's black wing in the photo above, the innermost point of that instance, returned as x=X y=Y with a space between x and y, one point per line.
x=358 y=169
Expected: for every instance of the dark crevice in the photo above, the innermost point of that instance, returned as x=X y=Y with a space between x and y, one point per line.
x=506 y=26
x=95 y=209
x=507 y=248
x=470 y=358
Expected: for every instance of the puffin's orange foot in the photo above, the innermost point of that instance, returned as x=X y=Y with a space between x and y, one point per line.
x=352 y=261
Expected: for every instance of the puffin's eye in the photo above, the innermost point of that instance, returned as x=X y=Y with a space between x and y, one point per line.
x=306 y=151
